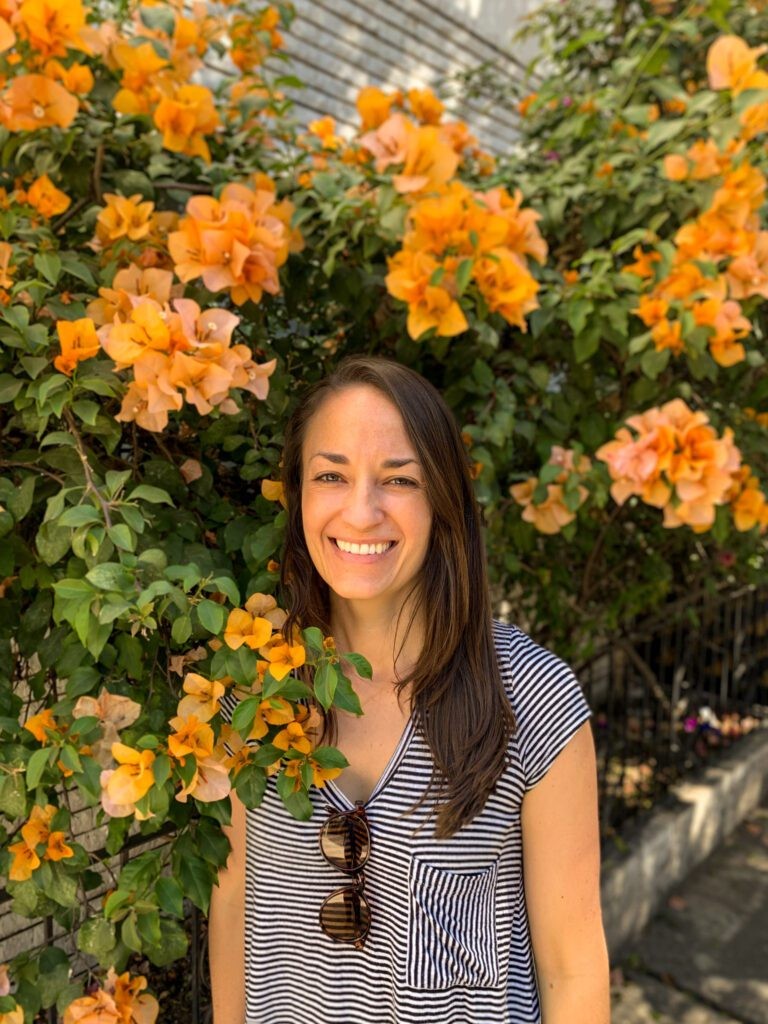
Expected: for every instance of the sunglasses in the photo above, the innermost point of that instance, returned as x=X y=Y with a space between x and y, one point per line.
x=345 y=842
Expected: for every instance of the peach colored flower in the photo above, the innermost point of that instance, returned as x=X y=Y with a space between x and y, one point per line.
x=133 y=779
x=35 y=101
x=374 y=106
x=283 y=656
x=209 y=783
x=46 y=198
x=114 y=712
x=243 y=628
x=123 y=217
x=184 y=118
x=78 y=340
x=40 y=724
x=202 y=697
x=732 y=64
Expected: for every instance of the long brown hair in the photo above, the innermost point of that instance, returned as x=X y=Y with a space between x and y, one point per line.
x=457 y=697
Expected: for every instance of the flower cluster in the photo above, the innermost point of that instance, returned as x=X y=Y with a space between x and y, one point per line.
x=726 y=234
x=674 y=461
x=37 y=843
x=45 y=93
x=456 y=238
x=236 y=242
x=552 y=503
x=119 y=1000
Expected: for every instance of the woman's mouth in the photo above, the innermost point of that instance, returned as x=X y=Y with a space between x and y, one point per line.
x=369 y=548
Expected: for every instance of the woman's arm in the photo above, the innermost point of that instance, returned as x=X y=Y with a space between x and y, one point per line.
x=226 y=927
x=561 y=866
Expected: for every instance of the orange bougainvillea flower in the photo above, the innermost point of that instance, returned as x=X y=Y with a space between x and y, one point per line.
x=507 y=286
x=78 y=340
x=324 y=129
x=6 y=255
x=644 y=261
x=292 y=737
x=273 y=490
x=283 y=657
x=209 y=783
x=114 y=712
x=141 y=66
x=676 y=452
x=41 y=724
x=77 y=78
x=129 y=283
x=202 y=697
x=121 y=1000
x=150 y=396
x=273 y=711
x=427 y=161
x=747 y=274
x=668 y=334
x=748 y=502
x=243 y=628
x=35 y=101
x=553 y=513
x=133 y=779
x=732 y=64
x=46 y=198
x=185 y=117
x=374 y=106
x=237 y=242
x=25 y=862
x=123 y=217
x=57 y=848
x=425 y=106
x=7 y=35
x=51 y=27
x=191 y=737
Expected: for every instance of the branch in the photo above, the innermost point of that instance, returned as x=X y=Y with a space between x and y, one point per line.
x=89 y=481
x=8 y=464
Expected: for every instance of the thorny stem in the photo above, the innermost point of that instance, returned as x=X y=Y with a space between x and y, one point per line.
x=89 y=482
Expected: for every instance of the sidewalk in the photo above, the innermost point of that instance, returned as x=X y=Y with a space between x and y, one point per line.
x=703 y=959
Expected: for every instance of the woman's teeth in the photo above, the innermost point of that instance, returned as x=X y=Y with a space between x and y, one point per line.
x=364 y=549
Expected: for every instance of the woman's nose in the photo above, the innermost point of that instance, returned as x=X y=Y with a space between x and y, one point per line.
x=364 y=508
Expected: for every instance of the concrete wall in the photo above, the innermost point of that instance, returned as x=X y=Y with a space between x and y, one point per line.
x=339 y=46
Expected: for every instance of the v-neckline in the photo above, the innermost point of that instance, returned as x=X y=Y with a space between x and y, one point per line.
x=386 y=775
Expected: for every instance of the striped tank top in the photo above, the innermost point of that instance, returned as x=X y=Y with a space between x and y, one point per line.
x=449 y=940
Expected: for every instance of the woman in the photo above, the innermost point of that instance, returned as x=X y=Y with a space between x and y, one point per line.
x=473 y=764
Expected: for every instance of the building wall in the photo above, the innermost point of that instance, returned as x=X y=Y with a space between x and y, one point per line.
x=339 y=46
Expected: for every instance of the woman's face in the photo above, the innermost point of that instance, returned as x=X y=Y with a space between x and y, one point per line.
x=364 y=505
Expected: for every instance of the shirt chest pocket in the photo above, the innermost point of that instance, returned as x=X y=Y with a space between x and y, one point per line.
x=452 y=941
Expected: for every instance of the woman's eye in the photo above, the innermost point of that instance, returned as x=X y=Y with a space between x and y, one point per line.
x=330 y=478
x=403 y=481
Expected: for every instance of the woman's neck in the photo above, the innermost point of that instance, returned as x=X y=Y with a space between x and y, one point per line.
x=379 y=634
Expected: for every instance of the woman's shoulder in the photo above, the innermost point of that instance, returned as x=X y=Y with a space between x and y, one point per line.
x=525 y=666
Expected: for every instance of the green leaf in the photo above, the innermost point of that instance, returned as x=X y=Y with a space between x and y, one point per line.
x=313 y=639
x=129 y=933
x=161 y=769
x=211 y=616
x=154 y=495
x=181 y=630
x=576 y=313
x=325 y=683
x=122 y=537
x=297 y=803
x=86 y=410
x=169 y=896
x=361 y=665
x=79 y=515
x=196 y=879
x=49 y=265
x=97 y=937
x=587 y=342
x=250 y=784
x=463 y=275
x=20 y=501
x=52 y=542
x=63 y=887
x=345 y=697
x=329 y=757
x=172 y=945
x=37 y=764
x=54 y=974
x=13 y=796
x=110 y=576
x=245 y=713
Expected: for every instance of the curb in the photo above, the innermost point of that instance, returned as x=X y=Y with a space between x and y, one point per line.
x=667 y=847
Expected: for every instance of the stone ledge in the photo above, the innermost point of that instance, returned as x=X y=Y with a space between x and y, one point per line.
x=673 y=841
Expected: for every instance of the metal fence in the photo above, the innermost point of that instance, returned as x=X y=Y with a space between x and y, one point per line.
x=666 y=695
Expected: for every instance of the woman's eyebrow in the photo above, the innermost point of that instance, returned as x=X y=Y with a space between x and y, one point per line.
x=342 y=460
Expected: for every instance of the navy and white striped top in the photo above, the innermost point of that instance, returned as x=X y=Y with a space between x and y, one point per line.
x=449 y=939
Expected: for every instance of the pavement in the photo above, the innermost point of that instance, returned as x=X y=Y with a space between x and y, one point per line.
x=703 y=959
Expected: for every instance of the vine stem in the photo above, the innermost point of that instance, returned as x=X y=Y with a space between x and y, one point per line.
x=586 y=581
x=90 y=484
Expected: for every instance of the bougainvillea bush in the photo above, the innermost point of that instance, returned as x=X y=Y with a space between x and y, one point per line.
x=178 y=259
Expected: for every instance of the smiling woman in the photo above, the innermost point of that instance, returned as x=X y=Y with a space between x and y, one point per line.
x=472 y=889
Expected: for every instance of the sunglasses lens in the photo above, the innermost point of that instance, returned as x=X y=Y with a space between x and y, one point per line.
x=345 y=842
x=346 y=916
